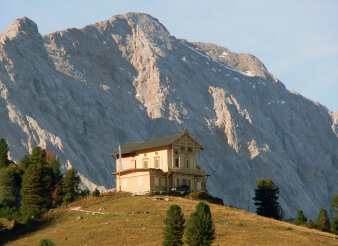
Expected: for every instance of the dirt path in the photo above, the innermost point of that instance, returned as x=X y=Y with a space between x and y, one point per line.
x=86 y=211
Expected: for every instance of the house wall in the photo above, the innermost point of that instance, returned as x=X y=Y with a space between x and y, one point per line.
x=158 y=182
x=185 y=149
x=137 y=182
x=196 y=183
x=150 y=155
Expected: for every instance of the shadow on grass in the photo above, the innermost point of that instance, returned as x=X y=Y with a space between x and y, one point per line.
x=20 y=230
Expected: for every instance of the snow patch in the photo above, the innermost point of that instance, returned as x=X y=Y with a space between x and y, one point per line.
x=250 y=73
x=224 y=54
x=105 y=87
x=277 y=101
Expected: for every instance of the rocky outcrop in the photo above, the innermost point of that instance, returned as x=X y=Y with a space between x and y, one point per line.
x=79 y=91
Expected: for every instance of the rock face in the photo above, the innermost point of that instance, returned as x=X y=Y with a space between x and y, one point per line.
x=78 y=91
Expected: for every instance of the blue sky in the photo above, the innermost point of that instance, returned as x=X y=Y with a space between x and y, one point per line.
x=297 y=40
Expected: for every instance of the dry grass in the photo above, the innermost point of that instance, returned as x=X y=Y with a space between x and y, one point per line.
x=126 y=223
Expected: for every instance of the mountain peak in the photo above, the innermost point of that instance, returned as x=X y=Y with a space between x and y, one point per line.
x=22 y=25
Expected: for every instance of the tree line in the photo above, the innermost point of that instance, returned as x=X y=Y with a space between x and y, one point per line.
x=34 y=185
x=266 y=202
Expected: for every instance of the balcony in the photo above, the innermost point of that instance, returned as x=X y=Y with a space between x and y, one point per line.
x=194 y=171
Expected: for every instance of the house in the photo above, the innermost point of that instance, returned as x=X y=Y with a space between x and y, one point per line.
x=160 y=164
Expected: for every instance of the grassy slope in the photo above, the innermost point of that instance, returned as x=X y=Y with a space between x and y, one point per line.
x=125 y=223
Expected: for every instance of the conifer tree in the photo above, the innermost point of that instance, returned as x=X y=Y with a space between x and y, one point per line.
x=200 y=230
x=96 y=193
x=8 y=188
x=323 y=220
x=174 y=229
x=70 y=183
x=36 y=186
x=334 y=205
x=334 y=223
x=4 y=162
x=266 y=199
x=25 y=162
x=300 y=218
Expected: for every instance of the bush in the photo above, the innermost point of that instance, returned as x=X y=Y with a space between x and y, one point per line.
x=85 y=193
x=311 y=225
x=10 y=213
x=46 y=242
x=204 y=195
x=96 y=193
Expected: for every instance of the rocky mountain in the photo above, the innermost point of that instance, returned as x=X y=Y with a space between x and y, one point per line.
x=78 y=91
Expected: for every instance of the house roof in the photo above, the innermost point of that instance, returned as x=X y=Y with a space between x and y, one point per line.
x=152 y=143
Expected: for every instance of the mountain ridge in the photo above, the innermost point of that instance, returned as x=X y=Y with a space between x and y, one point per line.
x=78 y=91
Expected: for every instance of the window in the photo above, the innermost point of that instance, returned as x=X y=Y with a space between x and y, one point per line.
x=145 y=154
x=177 y=182
x=177 y=162
x=157 y=162
x=145 y=163
x=190 y=150
x=187 y=163
x=156 y=153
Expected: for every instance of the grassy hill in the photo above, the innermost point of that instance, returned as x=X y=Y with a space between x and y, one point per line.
x=138 y=220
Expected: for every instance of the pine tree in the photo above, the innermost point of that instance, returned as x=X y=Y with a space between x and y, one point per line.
x=334 y=223
x=300 y=218
x=323 y=220
x=36 y=186
x=334 y=205
x=96 y=193
x=200 y=230
x=70 y=183
x=174 y=229
x=25 y=162
x=8 y=188
x=4 y=162
x=266 y=196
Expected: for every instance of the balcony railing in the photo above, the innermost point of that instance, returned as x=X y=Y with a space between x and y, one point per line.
x=194 y=171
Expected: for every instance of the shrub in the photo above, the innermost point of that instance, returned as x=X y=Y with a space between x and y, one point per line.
x=96 y=193
x=174 y=229
x=46 y=242
x=204 y=195
x=311 y=225
x=85 y=193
